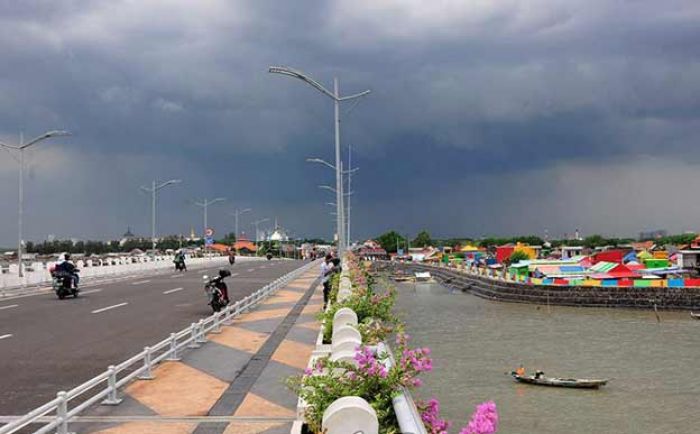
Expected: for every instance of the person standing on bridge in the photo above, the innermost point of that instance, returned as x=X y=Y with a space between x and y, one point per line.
x=326 y=271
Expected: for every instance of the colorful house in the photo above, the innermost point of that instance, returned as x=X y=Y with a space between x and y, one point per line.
x=503 y=253
x=612 y=270
x=243 y=244
x=612 y=255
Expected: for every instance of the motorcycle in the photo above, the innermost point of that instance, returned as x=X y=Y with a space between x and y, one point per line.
x=269 y=256
x=180 y=265
x=63 y=284
x=231 y=259
x=217 y=291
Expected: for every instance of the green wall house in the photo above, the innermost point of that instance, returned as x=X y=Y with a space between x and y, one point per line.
x=656 y=263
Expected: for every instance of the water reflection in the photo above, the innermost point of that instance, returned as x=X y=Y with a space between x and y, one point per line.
x=653 y=367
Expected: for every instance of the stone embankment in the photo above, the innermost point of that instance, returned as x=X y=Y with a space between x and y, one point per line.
x=497 y=288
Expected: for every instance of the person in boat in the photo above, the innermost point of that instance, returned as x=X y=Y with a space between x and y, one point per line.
x=520 y=372
x=538 y=374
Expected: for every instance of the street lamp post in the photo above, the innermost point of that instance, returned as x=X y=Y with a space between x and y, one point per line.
x=256 y=223
x=337 y=99
x=342 y=204
x=154 y=190
x=349 y=240
x=21 y=147
x=205 y=206
x=236 y=214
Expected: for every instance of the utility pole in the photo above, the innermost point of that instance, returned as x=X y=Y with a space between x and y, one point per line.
x=257 y=224
x=237 y=214
x=154 y=190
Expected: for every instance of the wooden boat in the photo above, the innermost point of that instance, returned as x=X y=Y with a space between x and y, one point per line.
x=576 y=383
x=403 y=278
x=423 y=276
x=695 y=315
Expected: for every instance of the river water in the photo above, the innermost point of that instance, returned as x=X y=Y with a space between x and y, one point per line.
x=654 y=367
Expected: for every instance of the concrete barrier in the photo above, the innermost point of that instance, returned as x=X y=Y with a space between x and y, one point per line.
x=37 y=275
x=350 y=414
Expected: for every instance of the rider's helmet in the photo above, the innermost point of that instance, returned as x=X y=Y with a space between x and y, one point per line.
x=224 y=273
x=66 y=256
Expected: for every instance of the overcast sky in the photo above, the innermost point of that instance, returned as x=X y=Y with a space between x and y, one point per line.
x=485 y=118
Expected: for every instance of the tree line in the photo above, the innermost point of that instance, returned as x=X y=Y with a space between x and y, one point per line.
x=393 y=240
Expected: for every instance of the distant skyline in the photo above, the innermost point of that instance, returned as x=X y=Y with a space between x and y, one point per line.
x=485 y=118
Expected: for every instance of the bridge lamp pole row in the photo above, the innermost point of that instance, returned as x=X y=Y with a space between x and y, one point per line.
x=337 y=99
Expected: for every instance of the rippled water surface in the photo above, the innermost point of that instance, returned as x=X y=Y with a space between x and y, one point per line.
x=654 y=367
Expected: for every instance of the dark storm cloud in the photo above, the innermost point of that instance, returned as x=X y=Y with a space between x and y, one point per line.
x=465 y=96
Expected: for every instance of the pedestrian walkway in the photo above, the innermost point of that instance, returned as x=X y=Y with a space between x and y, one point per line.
x=234 y=383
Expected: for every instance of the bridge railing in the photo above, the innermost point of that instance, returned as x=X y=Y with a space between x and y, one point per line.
x=37 y=274
x=56 y=414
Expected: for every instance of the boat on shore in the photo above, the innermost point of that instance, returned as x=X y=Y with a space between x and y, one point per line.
x=695 y=315
x=575 y=383
x=423 y=276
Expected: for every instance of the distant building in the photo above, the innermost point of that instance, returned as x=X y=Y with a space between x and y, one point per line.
x=371 y=244
x=568 y=252
x=126 y=237
x=193 y=236
x=244 y=245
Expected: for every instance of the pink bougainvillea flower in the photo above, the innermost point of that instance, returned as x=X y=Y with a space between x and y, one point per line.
x=484 y=420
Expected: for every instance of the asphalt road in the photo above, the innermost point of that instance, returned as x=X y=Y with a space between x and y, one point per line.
x=47 y=345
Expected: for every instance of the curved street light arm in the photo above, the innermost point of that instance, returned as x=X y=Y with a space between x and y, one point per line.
x=357 y=95
x=46 y=135
x=285 y=70
x=327 y=187
x=7 y=148
x=166 y=183
x=5 y=145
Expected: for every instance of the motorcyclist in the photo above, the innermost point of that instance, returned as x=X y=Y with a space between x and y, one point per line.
x=219 y=283
x=67 y=269
x=232 y=256
x=179 y=260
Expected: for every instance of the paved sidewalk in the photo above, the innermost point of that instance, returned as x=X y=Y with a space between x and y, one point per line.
x=234 y=383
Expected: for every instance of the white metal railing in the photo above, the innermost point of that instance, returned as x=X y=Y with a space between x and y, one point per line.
x=139 y=366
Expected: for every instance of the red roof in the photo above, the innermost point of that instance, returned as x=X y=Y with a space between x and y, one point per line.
x=616 y=275
x=243 y=244
x=635 y=267
x=614 y=255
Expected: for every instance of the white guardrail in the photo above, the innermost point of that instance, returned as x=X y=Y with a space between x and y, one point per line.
x=37 y=274
x=110 y=381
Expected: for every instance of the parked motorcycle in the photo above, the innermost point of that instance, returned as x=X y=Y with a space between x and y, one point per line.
x=63 y=284
x=217 y=291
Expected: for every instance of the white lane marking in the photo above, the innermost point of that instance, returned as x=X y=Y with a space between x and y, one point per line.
x=183 y=305
x=234 y=274
x=176 y=275
x=5 y=336
x=109 y=307
x=91 y=291
x=140 y=282
x=251 y=269
x=9 y=306
x=170 y=291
